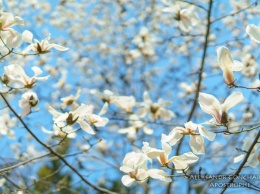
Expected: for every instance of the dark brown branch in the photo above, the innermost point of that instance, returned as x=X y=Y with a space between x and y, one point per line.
x=205 y=47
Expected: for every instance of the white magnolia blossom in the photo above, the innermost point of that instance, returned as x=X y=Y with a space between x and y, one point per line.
x=254 y=157
x=145 y=42
x=186 y=18
x=40 y=47
x=135 y=164
x=82 y=115
x=196 y=133
x=253 y=32
x=70 y=100
x=228 y=65
x=136 y=125
x=29 y=100
x=6 y=123
x=210 y=105
x=155 y=110
x=16 y=74
x=10 y=37
x=125 y=103
x=181 y=163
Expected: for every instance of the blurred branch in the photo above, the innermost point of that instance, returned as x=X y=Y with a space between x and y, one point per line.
x=235 y=13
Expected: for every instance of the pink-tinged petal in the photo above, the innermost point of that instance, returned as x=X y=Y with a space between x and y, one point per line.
x=175 y=135
x=159 y=174
x=205 y=133
x=234 y=99
x=253 y=32
x=85 y=126
x=27 y=36
x=127 y=180
x=197 y=144
x=237 y=66
x=210 y=105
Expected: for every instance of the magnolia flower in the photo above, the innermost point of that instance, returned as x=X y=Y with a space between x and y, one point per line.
x=10 y=37
x=70 y=118
x=210 y=105
x=125 y=103
x=180 y=162
x=253 y=32
x=6 y=123
x=40 y=47
x=136 y=125
x=29 y=100
x=135 y=164
x=196 y=133
x=70 y=100
x=155 y=110
x=254 y=157
x=228 y=65
x=186 y=18
x=15 y=73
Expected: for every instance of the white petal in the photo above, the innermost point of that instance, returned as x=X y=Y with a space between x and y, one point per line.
x=175 y=135
x=239 y=158
x=197 y=144
x=205 y=133
x=54 y=112
x=104 y=109
x=147 y=98
x=37 y=71
x=58 y=47
x=85 y=126
x=234 y=99
x=210 y=105
x=127 y=180
x=159 y=174
x=253 y=32
x=151 y=152
x=27 y=36
x=237 y=66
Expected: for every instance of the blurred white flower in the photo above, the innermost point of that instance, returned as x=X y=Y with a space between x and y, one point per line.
x=125 y=103
x=70 y=100
x=253 y=32
x=254 y=157
x=29 y=100
x=155 y=110
x=210 y=105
